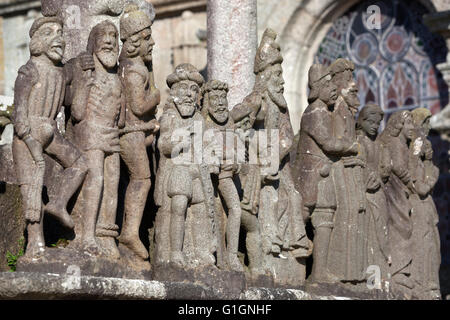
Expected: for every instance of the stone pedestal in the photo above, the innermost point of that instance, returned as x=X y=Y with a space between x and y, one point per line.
x=232 y=43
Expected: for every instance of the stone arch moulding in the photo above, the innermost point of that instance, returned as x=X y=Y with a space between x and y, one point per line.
x=300 y=38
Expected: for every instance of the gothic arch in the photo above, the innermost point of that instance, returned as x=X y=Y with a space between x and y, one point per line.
x=300 y=36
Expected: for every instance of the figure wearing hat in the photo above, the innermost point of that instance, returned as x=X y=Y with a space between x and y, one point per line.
x=183 y=233
x=282 y=226
x=317 y=148
x=38 y=96
x=142 y=98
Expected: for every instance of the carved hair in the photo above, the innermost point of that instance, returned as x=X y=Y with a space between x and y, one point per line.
x=131 y=46
x=395 y=123
x=36 y=45
x=368 y=110
x=96 y=31
x=185 y=71
x=315 y=74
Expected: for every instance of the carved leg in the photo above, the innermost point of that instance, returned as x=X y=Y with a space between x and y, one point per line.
x=106 y=225
x=231 y=197
x=253 y=242
x=134 y=154
x=203 y=235
x=135 y=199
x=70 y=182
x=179 y=207
x=322 y=221
x=92 y=194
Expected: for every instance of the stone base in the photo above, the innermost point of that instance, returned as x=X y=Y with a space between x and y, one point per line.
x=64 y=261
x=354 y=291
x=227 y=284
x=33 y=285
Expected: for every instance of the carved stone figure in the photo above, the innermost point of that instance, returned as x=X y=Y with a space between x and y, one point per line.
x=184 y=194
x=96 y=115
x=220 y=126
x=426 y=241
x=244 y=116
x=347 y=253
x=142 y=97
x=80 y=16
x=376 y=229
x=395 y=140
x=282 y=225
x=318 y=149
x=38 y=96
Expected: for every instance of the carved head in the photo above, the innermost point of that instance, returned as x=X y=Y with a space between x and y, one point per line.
x=342 y=73
x=400 y=124
x=136 y=33
x=47 y=38
x=321 y=85
x=421 y=118
x=268 y=70
x=215 y=100
x=369 y=120
x=185 y=84
x=103 y=43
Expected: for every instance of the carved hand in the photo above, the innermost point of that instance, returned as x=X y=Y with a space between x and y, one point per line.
x=22 y=128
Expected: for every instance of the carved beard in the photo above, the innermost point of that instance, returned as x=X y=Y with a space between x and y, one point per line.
x=278 y=99
x=185 y=107
x=107 y=58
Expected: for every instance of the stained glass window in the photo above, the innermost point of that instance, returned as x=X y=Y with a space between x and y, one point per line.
x=395 y=56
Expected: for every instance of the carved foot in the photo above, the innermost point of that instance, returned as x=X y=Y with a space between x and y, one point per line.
x=35 y=250
x=324 y=278
x=60 y=213
x=91 y=246
x=177 y=258
x=234 y=263
x=109 y=248
x=135 y=245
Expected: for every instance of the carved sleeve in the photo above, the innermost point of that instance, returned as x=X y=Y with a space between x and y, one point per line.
x=26 y=79
x=399 y=164
x=138 y=101
x=318 y=124
x=165 y=144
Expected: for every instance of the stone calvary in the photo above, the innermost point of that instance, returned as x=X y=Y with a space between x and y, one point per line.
x=232 y=199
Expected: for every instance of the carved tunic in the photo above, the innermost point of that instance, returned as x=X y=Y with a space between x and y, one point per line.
x=399 y=205
x=427 y=255
x=347 y=253
x=376 y=227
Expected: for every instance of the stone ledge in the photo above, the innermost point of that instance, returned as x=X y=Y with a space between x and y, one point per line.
x=34 y=285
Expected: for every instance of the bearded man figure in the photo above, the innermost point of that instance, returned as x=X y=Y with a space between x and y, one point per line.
x=220 y=125
x=96 y=115
x=184 y=192
x=38 y=97
x=347 y=256
x=142 y=98
x=282 y=224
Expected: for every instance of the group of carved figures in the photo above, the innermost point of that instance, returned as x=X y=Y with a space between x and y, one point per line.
x=368 y=197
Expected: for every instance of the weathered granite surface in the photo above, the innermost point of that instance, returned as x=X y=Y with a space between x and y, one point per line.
x=12 y=223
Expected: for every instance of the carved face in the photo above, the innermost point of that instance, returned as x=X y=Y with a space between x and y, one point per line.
x=244 y=124
x=218 y=106
x=347 y=88
x=327 y=91
x=50 y=36
x=107 y=47
x=371 y=124
x=185 y=96
x=408 y=128
x=275 y=85
x=147 y=43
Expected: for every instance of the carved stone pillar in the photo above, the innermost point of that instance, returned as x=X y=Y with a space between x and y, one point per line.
x=232 y=42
